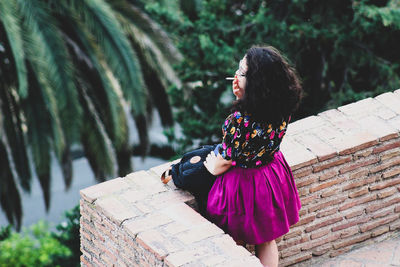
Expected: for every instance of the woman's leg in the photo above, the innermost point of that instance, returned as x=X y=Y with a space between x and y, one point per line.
x=268 y=253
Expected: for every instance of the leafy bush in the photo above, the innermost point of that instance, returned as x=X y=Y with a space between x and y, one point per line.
x=33 y=247
x=68 y=236
x=343 y=50
x=5 y=232
x=37 y=246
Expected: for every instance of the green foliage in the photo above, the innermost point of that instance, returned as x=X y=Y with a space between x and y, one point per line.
x=343 y=51
x=68 y=72
x=33 y=247
x=68 y=235
x=5 y=232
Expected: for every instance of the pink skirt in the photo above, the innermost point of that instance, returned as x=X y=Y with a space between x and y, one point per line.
x=255 y=205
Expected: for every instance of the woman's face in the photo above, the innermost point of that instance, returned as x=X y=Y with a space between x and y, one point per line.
x=239 y=82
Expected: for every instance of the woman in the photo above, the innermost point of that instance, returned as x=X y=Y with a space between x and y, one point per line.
x=254 y=198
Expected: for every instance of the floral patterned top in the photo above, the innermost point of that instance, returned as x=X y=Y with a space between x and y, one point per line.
x=250 y=144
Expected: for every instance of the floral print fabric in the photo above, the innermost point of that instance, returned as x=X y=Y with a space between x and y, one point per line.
x=250 y=144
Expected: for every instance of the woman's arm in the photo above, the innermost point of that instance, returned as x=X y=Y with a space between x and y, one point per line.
x=217 y=165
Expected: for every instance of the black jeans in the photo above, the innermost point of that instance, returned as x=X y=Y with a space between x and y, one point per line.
x=194 y=177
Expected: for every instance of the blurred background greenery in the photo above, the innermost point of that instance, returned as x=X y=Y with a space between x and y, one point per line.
x=72 y=73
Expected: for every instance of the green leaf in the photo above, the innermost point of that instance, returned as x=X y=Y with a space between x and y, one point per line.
x=11 y=19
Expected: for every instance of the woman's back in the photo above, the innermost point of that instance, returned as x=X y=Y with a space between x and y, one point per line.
x=250 y=143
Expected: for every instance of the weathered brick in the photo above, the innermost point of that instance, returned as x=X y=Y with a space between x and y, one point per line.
x=354 y=214
x=361 y=182
x=389 y=100
x=330 y=164
x=108 y=261
x=306 y=181
x=302 y=212
x=362 y=107
x=351 y=241
x=213 y=260
x=397 y=209
x=320 y=250
x=384 y=184
x=293 y=242
x=322 y=150
x=382 y=204
x=380 y=231
x=303 y=191
x=143 y=207
x=147 y=223
x=115 y=210
x=320 y=233
x=292 y=233
x=389 y=155
x=371 y=225
x=386 y=165
x=157 y=244
x=248 y=261
x=331 y=192
x=360 y=174
x=324 y=223
x=199 y=233
x=85 y=261
x=300 y=158
x=339 y=252
x=351 y=223
x=325 y=204
x=390 y=173
x=357 y=201
x=147 y=182
x=358 y=164
x=349 y=232
x=328 y=174
x=92 y=193
x=133 y=196
x=296 y=259
x=385 y=147
x=362 y=154
x=305 y=220
x=290 y=252
x=86 y=235
x=326 y=184
x=355 y=142
x=307 y=200
x=394 y=226
x=320 y=241
x=226 y=245
x=299 y=173
x=327 y=212
x=378 y=127
x=358 y=193
x=387 y=192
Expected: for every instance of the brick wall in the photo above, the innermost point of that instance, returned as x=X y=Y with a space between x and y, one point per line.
x=346 y=163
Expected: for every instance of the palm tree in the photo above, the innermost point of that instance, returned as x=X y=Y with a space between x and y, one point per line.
x=67 y=69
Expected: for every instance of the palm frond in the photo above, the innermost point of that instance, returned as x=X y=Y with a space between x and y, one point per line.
x=48 y=54
x=10 y=200
x=66 y=166
x=14 y=134
x=98 y=18
x=101 y=89
x=104 y=92
x=157 y=71
x=96 y=144
x=40 y=132
x=11 y=20
x=153 y=30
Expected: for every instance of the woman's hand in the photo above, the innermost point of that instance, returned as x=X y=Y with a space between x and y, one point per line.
x=217 y=165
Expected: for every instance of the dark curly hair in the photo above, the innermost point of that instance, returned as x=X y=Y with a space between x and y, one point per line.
x=273 y=90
